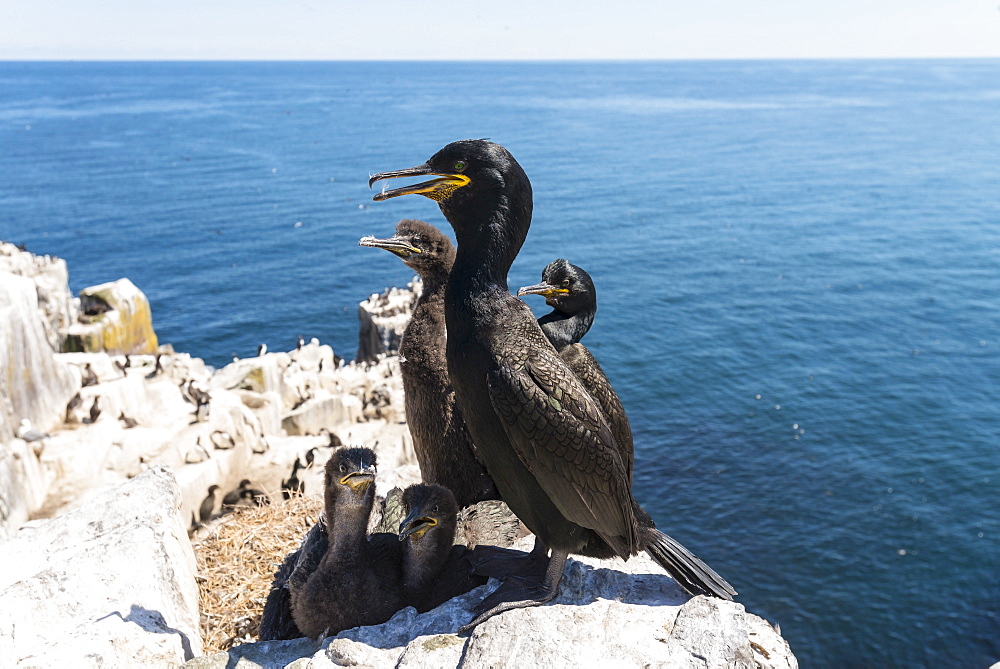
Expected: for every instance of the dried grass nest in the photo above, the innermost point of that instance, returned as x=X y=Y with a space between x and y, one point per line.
x=236 y=564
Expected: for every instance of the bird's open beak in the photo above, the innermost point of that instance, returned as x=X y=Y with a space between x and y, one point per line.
x=436 y=189
x=416 y=525
x=545 y=289
x=358 y=481
x=400 y=247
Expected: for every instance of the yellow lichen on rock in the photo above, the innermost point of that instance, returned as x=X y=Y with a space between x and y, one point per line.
x=124 y=324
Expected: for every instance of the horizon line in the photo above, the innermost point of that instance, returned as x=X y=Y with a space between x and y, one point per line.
x=4 y=59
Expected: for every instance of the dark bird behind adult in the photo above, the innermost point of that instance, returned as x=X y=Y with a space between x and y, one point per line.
x=570 y=292
x=444 y=449
x=543 y=439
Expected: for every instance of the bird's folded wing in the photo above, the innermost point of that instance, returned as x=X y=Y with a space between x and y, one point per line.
x=588 y=370
x=559 y=434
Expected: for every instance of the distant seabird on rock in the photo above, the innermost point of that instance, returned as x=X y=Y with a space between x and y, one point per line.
x=129 y=422
x=293 y=486
x=254 y=497
x=244 y=495
x=208 y=505
x=95 y=410
x=222 y=440
x=261 y=350
x=310 y=457
x=232 y=497
x=89 y=376
x=73 y=404
x=28 y=433
x=300 y=342
x=158 y=369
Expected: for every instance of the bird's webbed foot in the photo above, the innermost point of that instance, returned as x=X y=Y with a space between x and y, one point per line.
x=496 y=562
x=519 y=592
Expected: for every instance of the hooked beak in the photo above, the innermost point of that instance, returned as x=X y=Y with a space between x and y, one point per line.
x=359 y=481
x=396 y=245
x=544 y=289
x=436 y=189
x=416 y=525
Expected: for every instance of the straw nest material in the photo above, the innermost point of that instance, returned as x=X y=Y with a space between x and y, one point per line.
x=236 y=564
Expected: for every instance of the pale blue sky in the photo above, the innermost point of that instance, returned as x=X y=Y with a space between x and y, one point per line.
x=502 y=29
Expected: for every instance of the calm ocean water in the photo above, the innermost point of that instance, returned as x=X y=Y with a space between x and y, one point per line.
x=798 y=266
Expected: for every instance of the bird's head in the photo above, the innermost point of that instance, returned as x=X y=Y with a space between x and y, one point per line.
x=472 y=176
x=565 y=287
x=350 y=472
x=421 y=246
x=429 y=508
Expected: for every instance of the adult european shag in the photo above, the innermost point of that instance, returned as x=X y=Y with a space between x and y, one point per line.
x=442 y=443
x=543 y=439
x=570 y=292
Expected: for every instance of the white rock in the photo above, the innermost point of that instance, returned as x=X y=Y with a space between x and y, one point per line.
x=51 y=278
x=608 y=613
x=109 y=584
x=33 y=383
x=382 y=319
x=323 y=412
x=260 y=375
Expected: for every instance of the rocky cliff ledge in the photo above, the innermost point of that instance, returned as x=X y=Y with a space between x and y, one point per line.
x=121 y=447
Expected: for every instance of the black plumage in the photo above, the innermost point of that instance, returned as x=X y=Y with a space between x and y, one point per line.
x=293 y=485
x=208 y=505
x=544 y=440
x=444 y=449
x=232 y=497
x=357 y=579
x=434 y=569
x=363 y=580
x=571 y=293
x=244 y=495
x=341 y=577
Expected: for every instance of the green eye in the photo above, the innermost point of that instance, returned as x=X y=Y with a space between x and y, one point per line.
x=565 y=283
x=459 y=166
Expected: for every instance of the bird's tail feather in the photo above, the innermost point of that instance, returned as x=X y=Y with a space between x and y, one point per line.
x=696 y=577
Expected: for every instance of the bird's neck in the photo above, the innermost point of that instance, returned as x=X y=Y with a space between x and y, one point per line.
x=488 y=245
x=422 y=345
x=423 y=559
x=347 y=523
x=563 y=329
x=433 y=283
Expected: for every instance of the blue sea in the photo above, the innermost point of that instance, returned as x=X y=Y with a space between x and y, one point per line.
x=798 y=266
